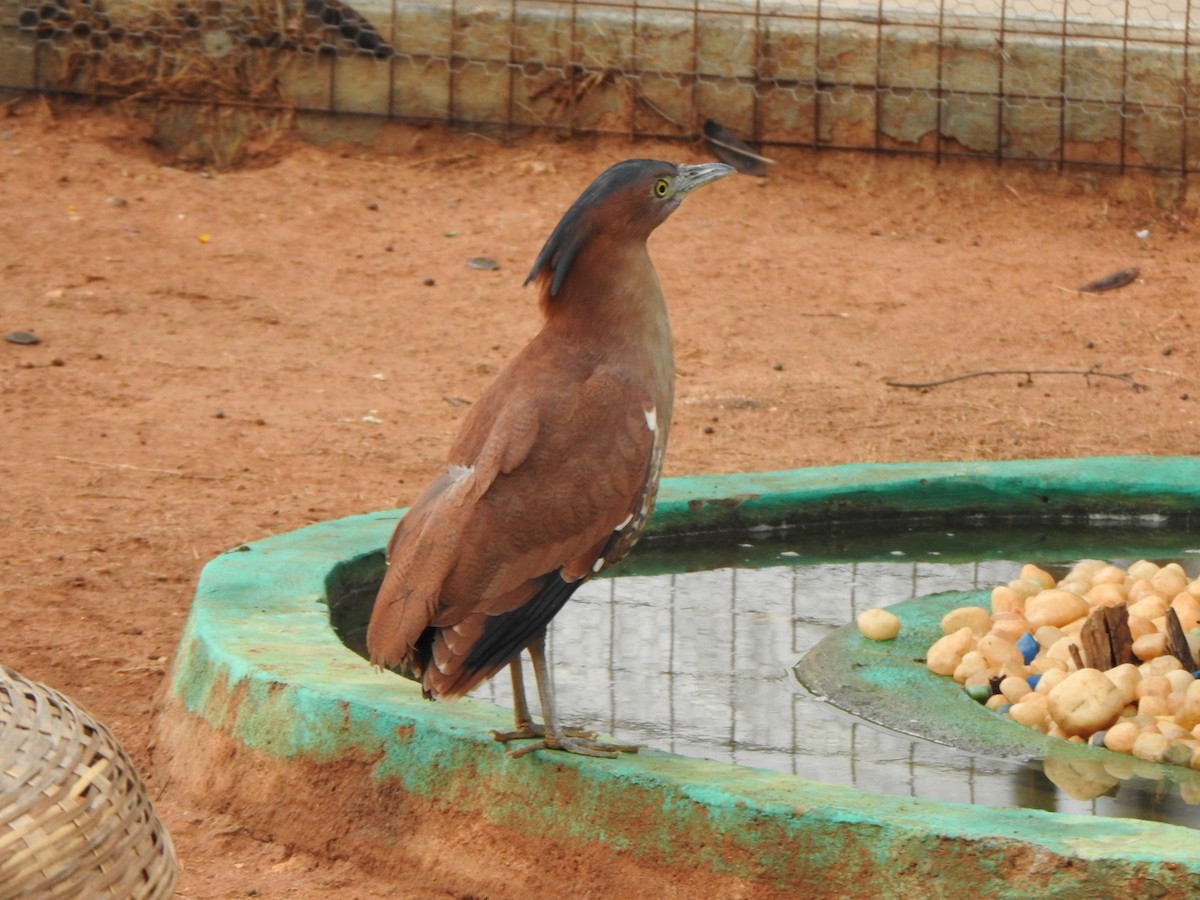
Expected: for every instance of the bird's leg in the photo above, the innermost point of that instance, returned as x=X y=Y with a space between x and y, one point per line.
x=521 y=717
x=554 y=736
x=524 y=726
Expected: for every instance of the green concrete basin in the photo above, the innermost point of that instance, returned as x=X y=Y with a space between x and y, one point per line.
x=262 y=684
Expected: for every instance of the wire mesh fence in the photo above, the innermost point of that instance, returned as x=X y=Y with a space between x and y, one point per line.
x=1093 y=82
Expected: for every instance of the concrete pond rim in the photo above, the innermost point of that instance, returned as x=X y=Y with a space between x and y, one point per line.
x=260 y=671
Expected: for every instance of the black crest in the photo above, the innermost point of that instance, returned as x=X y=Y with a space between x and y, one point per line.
x=573 y=229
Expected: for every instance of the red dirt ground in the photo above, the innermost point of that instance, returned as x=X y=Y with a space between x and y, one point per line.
x=226 y=356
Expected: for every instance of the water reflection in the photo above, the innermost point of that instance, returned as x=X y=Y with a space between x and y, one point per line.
x=698 y=663
x=690 y=650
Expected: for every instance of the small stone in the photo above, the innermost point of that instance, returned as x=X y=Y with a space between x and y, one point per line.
x=708 y=429
x=1055 y=607
x=373 y=206
x=22 y=337
x=1013 y=687
x=878 y=625
x=778 y=367
x=117 y=201
x=1085 y=702
x=1188 y=714
x=429 y=282
x=1177 y=755
x=1035 y=574
x=484 y=263
x=948 y=651
x=1120 y=737
x=999 y=651
x=974 y=617
x=1126 y=677
x=1150 y=746
x=1150 y=646
x=219 y=414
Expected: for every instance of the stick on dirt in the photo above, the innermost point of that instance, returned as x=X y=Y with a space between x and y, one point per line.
x=1126 y=377
x=133 y=468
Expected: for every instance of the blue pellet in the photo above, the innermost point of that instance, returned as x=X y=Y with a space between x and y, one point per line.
x=1097 y=739
x=1028 y=646
x=1033 y=681
x=1003 y=708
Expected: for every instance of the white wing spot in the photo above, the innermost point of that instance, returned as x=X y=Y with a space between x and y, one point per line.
x=652 y=419
x=628 y=519
x=598 y=564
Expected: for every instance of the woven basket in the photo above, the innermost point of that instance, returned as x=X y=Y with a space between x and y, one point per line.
x=75 y=820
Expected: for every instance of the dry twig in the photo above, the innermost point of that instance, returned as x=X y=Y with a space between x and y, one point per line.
x=1088 y=374
x=132 y=468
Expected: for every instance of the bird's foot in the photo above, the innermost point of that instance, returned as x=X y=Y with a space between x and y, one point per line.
x=533 y=731
x=583 y=746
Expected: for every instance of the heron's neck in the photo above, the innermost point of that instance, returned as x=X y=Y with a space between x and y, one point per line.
x=612 y=296
x=612 y=304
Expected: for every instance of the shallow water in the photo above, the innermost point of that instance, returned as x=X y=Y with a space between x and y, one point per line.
x=691 y=649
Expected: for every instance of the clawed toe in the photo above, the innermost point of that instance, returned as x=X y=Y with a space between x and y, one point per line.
x=519 y=734
x=534 y=731
x=582 y=746
x=549 y=736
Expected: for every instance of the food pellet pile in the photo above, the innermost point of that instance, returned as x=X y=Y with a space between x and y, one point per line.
x=1025 y=658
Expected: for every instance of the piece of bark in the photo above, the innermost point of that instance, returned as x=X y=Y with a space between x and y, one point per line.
x=1177 y=644
x=1097 y=644
x=1076 y=656
x=1106 y=638
x=1116 y=619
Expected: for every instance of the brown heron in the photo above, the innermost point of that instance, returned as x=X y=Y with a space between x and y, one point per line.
x=555 y=470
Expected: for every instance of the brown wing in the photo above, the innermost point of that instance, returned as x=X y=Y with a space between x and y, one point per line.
x=495 y=545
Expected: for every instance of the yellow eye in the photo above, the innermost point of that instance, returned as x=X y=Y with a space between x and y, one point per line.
x=661 y=187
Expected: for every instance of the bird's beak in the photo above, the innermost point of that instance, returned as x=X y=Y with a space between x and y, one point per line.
x=692 y=177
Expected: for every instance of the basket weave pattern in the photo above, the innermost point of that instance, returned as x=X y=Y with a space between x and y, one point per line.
x=75 y=819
